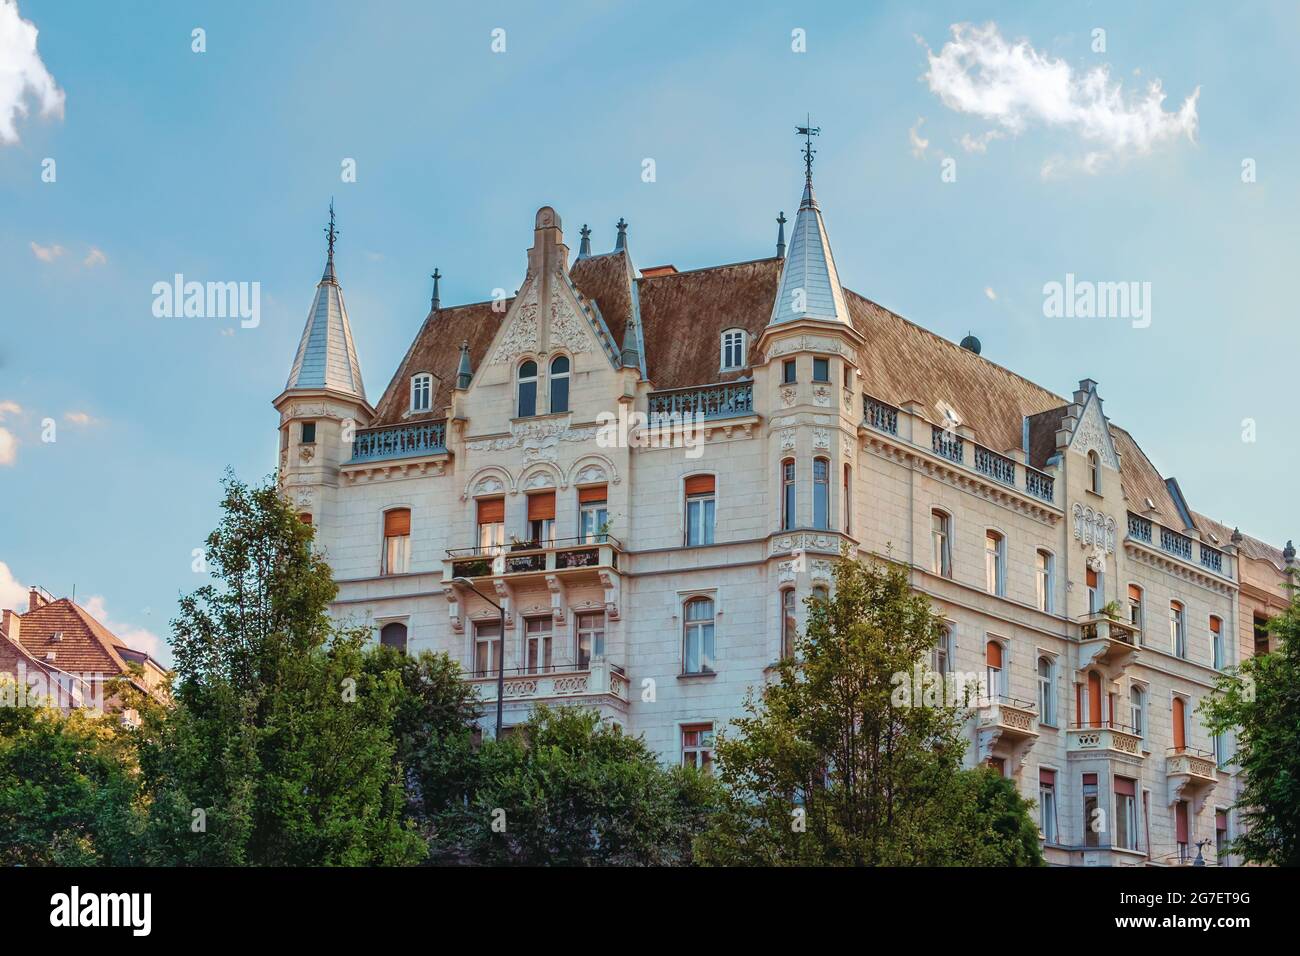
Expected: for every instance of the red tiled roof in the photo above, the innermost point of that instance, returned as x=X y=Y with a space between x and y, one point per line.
x=86 y=646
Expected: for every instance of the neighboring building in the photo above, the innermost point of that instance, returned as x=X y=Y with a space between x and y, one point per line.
x=1264 y=573
x=57 y=645
x=659 y=584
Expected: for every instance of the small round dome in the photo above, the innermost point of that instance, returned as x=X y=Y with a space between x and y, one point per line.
x=971 y=344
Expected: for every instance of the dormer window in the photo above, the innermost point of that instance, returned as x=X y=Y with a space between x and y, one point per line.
x=733 y=349
x=421 y=392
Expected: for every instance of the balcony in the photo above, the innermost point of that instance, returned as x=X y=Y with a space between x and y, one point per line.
x=946 y=444
x=1190 y=774
x=1006 y=727
x=1103 y=738
x=1211 y=559
x=709 y=403
x=562 y=556
x=1040 y=485
x=399 y=441
x=995 y=466
x=1106 y=640
x=1179 y=545
x=601 y=682
x=1139 y=528
x=880 y=416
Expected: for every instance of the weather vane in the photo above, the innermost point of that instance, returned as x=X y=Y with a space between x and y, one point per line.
x=808 y=132
x=331 y=233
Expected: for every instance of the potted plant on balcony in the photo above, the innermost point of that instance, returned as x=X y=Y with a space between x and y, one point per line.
x=1112 y=610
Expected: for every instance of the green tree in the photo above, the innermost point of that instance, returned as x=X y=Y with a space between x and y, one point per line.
x=572 y=790
x=280 y=749
x=69 y=792
x=830 y=767
x=1259 y=701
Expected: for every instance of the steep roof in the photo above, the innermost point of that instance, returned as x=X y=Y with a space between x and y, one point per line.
x=810 y=284
x=1248 y=546
x=327 y=357
x=85 y=646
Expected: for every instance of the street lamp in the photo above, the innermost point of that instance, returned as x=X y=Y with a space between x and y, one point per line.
x=501 y=650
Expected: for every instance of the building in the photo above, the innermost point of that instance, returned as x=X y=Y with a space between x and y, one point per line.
x=764 y=417
x=58 y=650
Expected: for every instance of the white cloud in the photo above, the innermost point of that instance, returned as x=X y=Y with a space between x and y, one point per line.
x=96 y=257
x=45 y=253
x=990 y=294
x=9 y=407
x=79 y=418
x=8 y=447
x=1015 y=86
x=12 y=594
x=979 y=144
x=138 y=638
x=919 y=145
x=23 y=76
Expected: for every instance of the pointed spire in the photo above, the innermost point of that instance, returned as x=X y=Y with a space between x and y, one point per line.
x=327 y=357
x=810 y=284
x=464 y=374
x=780 y=235
x=620 y=243
x=631 y=354
x=435 y=302
x=584 y=247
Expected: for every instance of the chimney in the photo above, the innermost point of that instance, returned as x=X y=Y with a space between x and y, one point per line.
x=35 y=599
x=13 y=623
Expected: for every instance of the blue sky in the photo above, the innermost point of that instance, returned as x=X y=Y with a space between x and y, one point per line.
x=220 y=165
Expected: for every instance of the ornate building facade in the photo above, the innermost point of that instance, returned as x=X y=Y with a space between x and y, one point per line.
x=629 y=482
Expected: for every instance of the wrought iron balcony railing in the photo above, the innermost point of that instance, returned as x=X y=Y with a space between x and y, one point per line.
x=399 y=441
x=524 y=557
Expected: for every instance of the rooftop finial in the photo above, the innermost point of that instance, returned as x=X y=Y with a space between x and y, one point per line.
x=435 y=303
x=780 y=235
x=464 y=374
x=584 y=247
x=808 y=132
x=621 y=241
x=330 y=235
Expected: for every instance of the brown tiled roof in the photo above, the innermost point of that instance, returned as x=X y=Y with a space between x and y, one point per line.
x=86 y=645
x=1250 y=547
x=1141 y=480
x=607 y=279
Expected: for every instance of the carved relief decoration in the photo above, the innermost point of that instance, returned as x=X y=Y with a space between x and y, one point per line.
x=1093 y=529
x=1092 y=434
x=521 y=337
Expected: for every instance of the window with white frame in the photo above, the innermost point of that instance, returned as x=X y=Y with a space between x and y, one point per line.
x=787 y=494
x=821 y=493
x=1046 y=691
x=1126 y=813
x=537 y=645
x=526 y=390
x=942 y=653
x=697 y=747
x=788 y=623
x=487 y=647
x=701 y=509
x=995 y=562
x=941 y=543
x=1044 y=579
x=733 y=349
x=994 y=663
x=1216 y=642
x=590 y=638
x=1135 y=606
x=1177 y=629
x=421 y=392
x=1047 y=804
x=1138 y=710
x=559 y=384
x=397 y=541
x=1094 y=472
x=697 y=638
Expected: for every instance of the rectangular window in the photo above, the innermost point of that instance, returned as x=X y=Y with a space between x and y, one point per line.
x=821 y=493
x=537 y=645
x=1135 y=607
x=993 y=669
x=942 y=652
x=847 y=499
x=1043 y=581
x=1181 y=829
x=541 y=518
x=941 y=559
x=1091 y=814
x=995 y=562
x=593 y=515
x=397 y=541
x=491 y=525
x=701 y=509
x=487 y=648
x=591 y=638
x=1261 y=636
x=697 y=747
x=1046 y=693
x=1216 y=640
x=1047 y=804
x=787 y=622
x=697 y=652
x=1126 y=821
x=787 y=494
x=1177 y=629
x=788 y=372
x=308 y=433
x=821 y=370
x=1221 y=837
x=1094 y=591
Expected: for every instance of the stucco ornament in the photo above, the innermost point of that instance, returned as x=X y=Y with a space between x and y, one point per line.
x=521 y=337
x=539 y=440
x=566 y=327
x=1093 y=435
x=1093 y=528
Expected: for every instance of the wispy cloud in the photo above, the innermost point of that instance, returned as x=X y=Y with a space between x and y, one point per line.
x=919 y=145
x=95 y=257
x=990 y=294
x=139 y=638
x=23 y=77
x=79 y=418
x=980 y=73
x=46 y=253
x=8 y=442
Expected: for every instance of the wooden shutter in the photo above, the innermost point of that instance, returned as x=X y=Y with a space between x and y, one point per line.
x=1180 y=723
x=1221 y=821
x=1215 y=625
x=305 y=518
x=1092 y=578
x=993 y=654
x=1180 y=818
x=1134 y=593
x=588 y=495
x=1090 y=779
x=397 y=522
x=1124 y=787
x=1046 y=778
x=491 y=510
x=699 y=485
x=541 y=506
x=1094 y=700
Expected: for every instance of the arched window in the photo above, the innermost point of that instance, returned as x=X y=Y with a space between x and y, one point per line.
x=1094 y=472
x=995 y=562
x=421 y=392
x=787 y=494
x=1046 y=692
x=821 y=493
x=941 y=537
x=1177 y=629
x=1138 y=710
x=993 y=652
x=697 y=644
x=1044 y=579
x=733 y=349
x=559 y=384
x=527 y=404
x=787 y=622
x=394 y=636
